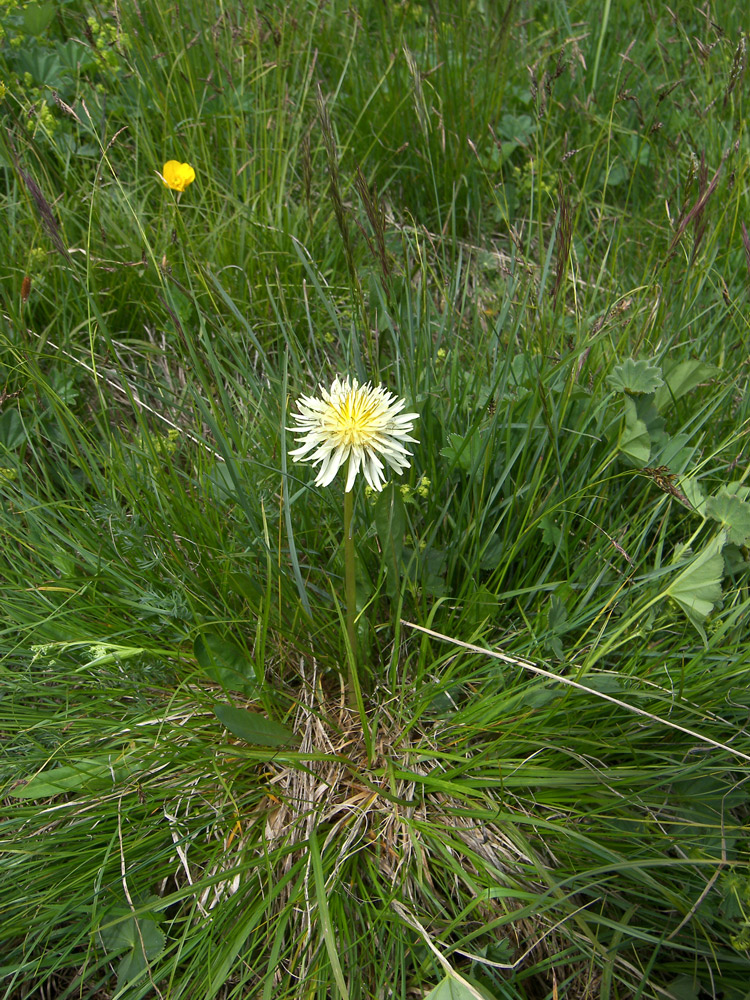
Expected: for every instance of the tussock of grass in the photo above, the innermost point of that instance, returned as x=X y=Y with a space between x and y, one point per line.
x=531 y=230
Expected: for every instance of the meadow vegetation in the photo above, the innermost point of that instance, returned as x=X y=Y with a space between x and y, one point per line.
x=527 y=219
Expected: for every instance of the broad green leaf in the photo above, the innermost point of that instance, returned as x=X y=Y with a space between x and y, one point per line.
x=734 y=560
x=446 y=702
x=635 y=377
x=685 y=988
x=642 y=408
x=556 y=625
x=464 y=452
x=138 y=936
x=711 y=794
x=693 y=490
x=516 y=128
x=425 y=569
x=492 y=553
x=12 y=430
x=671 y=451
x=636 y=436
x=481 y=606
x=732 y=514
x=635 y=442
x=735 y=888
x=123 y=933
x=736 y=490
x=557 y=615
x=253 y=728
x=246 y=585
x=616 y=174
x=606 y=683
x=76 y=58
x=551 y=532
x=540 y=697
x=452 y=988
x=698 y=587
x=225 y=662
x=681 y=378
x=87 y=775
x=535 y=695
x=37 y=17
x=730 y=990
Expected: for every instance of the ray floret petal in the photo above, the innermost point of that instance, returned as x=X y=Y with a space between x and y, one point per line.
x=361 y=426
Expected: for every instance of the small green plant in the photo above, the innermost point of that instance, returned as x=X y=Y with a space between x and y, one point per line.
x=357 y=428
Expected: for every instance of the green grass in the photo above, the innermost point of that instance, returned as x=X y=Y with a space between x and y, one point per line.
x=526 y=219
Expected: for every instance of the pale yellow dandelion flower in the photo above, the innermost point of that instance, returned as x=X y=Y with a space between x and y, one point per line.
x=353 y=423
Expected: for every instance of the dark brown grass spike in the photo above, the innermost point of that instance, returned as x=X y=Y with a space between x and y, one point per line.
x=43 y=207
x=697 y=210
x=376 y=217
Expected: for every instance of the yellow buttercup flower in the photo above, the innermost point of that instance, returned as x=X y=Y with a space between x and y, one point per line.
x=177 y=175
x=357 y=423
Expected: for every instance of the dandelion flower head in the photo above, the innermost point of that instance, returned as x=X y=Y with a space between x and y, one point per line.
x=356 y=423
x=177 y=175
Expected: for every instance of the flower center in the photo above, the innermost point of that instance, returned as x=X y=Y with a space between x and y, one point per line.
x=355 y=419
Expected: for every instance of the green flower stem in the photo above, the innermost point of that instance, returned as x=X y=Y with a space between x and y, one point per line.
x=351 y=596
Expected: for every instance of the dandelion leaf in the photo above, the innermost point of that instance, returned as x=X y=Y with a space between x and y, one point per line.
x=224 y=662
x=697 y=588
x=733 y=514
x=635 y=377
x=85 y=775
x=254 y=728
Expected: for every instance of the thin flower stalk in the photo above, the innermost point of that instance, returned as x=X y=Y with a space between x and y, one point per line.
x=365 y=429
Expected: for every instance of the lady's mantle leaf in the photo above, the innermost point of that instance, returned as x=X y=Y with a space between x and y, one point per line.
x=680 y=378
x=635 y=377
x=733 y=514
x=635 y=442
x=698 y=587
x=139 y=937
